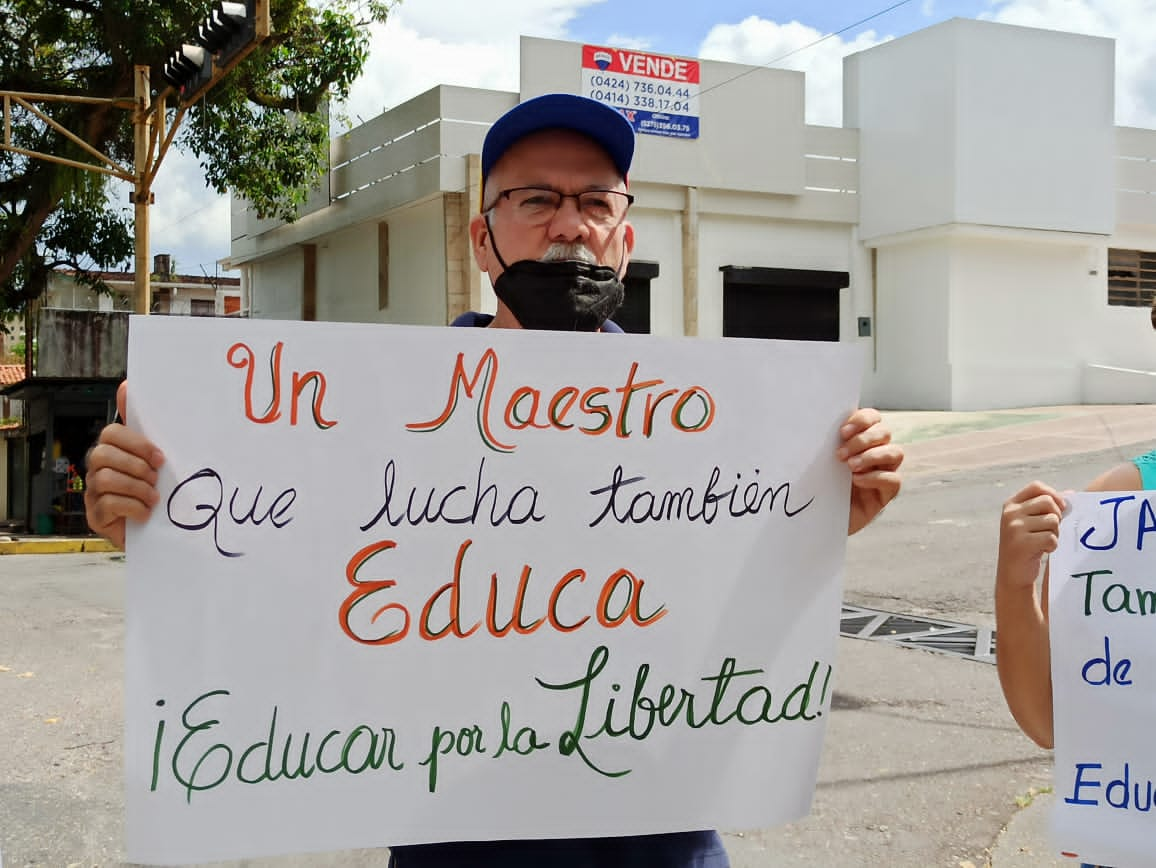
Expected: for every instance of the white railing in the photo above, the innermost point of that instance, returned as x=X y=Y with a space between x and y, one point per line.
x=427 y=136
x=1135 y=176
x=418 y=148
x=832 y=160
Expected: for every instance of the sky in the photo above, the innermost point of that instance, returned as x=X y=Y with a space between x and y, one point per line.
x=462 y=42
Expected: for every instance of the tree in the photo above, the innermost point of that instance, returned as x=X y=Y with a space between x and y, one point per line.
x=261 y=132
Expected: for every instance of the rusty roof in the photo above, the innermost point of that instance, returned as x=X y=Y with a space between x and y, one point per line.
x=10 y=374
x=183 y=279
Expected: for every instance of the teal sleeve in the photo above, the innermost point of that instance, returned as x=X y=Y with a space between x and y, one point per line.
x=1146 y=464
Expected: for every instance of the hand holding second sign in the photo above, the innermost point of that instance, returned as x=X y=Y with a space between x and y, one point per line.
x=121 y=479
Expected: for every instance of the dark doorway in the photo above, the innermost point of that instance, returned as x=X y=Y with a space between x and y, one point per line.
x=634 y=315
x=17 y=481
x=785 y=303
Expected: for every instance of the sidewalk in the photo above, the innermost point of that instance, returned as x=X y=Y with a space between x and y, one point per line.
x=53 y=545
x=944 y=441
x=1024 y=843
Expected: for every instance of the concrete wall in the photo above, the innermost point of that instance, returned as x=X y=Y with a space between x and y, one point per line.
x=659 y=239
x=347 y=275
x=1035 y=137
x=81 y=343
x=744 y=111
x=976 y=122
x=1018 y=321
x=906 y=129
x=971 y=319
x=348 y=263
x=417 y=265
x=987 y=183
x=1121 y=336
x=275 y=286
x=912 y=367
x=766 y=243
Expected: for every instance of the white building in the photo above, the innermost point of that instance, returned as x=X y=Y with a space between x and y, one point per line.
x=979 y=225
x=172 y=294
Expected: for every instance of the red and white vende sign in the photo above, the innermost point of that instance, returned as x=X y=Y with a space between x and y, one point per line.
x=657 y=93
x=629 y=62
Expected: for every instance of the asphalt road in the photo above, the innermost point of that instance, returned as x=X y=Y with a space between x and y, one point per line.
x=922 y=764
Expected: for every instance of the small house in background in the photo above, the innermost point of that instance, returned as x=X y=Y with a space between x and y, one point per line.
x=56 y=408
x=173 y=294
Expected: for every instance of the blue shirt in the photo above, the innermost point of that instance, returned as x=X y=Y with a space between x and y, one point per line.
x=481 y=320
x=1146 y=464
x=673 y=850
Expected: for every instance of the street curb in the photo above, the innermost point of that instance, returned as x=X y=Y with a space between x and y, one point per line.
x=1024 y=841
x=55 y=546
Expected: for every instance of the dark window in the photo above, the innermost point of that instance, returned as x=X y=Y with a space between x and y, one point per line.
x=634 y=315
x=1131 y=277
x=784 y=303
x=202 y=307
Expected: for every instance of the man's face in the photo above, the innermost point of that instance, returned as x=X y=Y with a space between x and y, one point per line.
x=568 y=163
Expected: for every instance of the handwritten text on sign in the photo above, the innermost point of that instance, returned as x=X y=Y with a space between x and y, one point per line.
x=1102 y=611
x=419 y=584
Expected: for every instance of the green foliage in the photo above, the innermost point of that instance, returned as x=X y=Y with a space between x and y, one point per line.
x=261 y=133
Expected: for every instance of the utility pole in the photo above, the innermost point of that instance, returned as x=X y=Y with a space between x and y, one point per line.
x=142 y=195
x=225 y=38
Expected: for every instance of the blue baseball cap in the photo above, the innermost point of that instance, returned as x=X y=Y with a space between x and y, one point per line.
x=566 y=111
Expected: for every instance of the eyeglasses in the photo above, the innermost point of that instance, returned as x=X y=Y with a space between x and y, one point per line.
x=534 y=206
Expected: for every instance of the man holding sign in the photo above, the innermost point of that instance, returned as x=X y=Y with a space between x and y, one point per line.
x=553 y=236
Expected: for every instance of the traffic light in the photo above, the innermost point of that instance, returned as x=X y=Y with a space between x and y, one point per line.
x=230 y=27
x=218 y=44
x=189 y=69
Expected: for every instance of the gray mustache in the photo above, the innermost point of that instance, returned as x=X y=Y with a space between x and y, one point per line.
x=561 y=250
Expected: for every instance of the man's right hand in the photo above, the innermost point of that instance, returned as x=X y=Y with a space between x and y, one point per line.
x=1028 y=529
x=120 y=482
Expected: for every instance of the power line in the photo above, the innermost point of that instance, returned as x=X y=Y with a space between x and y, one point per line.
x=842 y=30
x=185 y=216
x=795 y=51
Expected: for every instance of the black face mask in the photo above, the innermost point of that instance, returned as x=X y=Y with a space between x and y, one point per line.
x=561 y=295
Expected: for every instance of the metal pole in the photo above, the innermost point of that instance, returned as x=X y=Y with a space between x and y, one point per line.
x=142 y=127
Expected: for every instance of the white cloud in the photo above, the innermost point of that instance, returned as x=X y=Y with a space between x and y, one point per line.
x=1132 y=23
x=187 y=220
x=635 y=43
x=760 y=42
x=465 y=21
x=404 y=63
x=424 y=44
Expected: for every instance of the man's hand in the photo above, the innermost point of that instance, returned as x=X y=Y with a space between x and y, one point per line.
x=121 y=479
x=874 y=462
x=1029 y=528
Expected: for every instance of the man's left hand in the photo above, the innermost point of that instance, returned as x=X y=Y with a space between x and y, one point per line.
x=874 y=462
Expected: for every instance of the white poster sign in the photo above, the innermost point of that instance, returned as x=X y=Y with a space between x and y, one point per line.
x=1102 y=607
x=409 y=584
